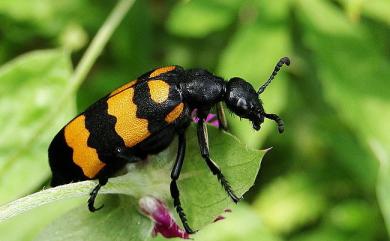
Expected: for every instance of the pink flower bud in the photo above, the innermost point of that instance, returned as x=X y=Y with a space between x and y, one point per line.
x=164 y=223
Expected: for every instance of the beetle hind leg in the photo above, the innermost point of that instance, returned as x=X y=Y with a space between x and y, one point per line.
x=119 y=153
x=93 y=194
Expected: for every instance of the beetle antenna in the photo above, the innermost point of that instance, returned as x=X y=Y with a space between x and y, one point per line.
x=277 y=119
x=284 y=60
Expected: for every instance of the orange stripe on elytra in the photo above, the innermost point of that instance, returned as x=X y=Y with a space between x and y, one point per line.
x=159 y=90
x=162 y=70
x=128 y=126
x=76 y=136
x=172 y=116
x=123 y=87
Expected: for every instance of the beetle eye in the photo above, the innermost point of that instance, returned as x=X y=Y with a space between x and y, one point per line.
x=242 y=104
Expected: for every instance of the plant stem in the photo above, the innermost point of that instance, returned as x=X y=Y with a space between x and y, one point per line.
x=98 y=43
x=91 y=54
x=136 y=184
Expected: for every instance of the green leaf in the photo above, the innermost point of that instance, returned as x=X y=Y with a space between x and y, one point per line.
x=202 y=17
x=252 y=55
x=30 y=86
x=202 y=196
x=28 y=226
x=118 y=220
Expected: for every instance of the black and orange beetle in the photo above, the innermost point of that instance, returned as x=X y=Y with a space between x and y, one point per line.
x=143 y=116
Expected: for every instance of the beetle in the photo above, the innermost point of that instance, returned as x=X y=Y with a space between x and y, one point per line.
x=143 y=116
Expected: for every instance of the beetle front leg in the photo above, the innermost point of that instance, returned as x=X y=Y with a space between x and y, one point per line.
x=174 y=176
x=204 y=150
x=221 y=117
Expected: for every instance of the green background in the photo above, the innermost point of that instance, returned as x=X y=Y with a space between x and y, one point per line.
x=326 y=178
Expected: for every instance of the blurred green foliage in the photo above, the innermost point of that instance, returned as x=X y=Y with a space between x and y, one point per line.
x=29 y=85
x=328 y=175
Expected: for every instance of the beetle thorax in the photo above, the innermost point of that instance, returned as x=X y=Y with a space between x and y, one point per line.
x=201 y=89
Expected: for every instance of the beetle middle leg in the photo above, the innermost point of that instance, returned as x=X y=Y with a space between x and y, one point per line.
x=174 y=176
x=204 y=150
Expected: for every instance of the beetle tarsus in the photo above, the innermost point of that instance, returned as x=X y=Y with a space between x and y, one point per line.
x=225 y=184
x=176 y=203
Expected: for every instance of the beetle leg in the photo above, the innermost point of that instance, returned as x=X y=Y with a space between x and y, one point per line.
x=204 y=150
x=93 y=194
x=221 y=117
x=174 y=176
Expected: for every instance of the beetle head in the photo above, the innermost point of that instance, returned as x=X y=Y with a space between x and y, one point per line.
x=244 y=101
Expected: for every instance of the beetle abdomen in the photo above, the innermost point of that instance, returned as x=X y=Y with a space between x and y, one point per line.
x=128 y=126
x=140 y=117
x=84 y=147
x=61 y=162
